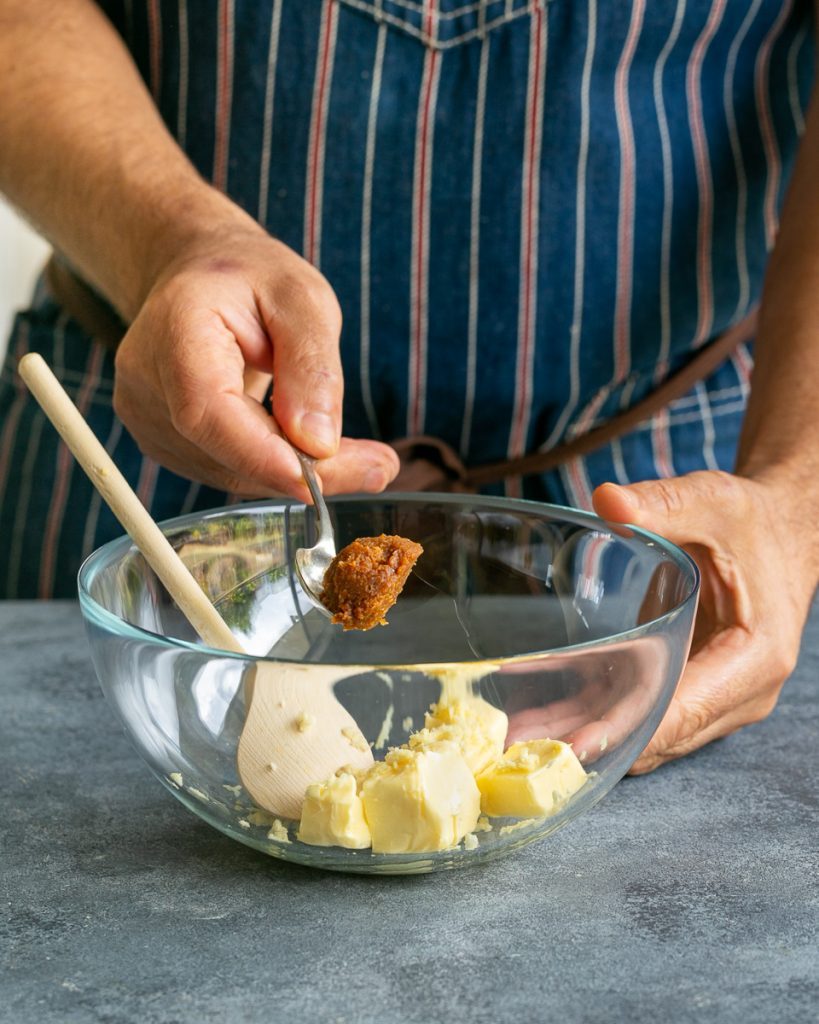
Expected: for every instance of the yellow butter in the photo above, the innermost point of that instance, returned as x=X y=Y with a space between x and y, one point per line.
x=532 y=780
x=476 y=727
x=420 y=800
x=333 y=815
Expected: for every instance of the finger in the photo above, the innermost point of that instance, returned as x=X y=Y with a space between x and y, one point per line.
x=256 y=384
x=728 y=684
x=684 y=509
x=588 y=739
x=204 y=471
x=305 y=325
x=552 y=721
x=204 y=388
x=366 y=466
x=159 y=441
x=237 y=432
x=591 y=739
x=361 y=466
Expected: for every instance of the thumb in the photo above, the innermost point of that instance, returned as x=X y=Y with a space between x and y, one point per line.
x=308 y=384
x=683 y=509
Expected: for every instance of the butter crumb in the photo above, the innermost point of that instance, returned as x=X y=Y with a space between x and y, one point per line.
x=386 y=729
x=604 y=743
x=583 y=755
x=235 y=790
x=244 y=823
x=278 y=832
x=176 y=779
x=272 y=767
x=260 y=817
x=280 y=704
x=484 y=824
x=304 y=722
x=353 y=735
x=470 y=841
x=407 y=724
x=199 y=794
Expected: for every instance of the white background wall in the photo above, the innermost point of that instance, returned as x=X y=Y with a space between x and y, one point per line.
x=22 y=255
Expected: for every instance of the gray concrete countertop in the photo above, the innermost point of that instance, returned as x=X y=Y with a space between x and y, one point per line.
x=688 y=895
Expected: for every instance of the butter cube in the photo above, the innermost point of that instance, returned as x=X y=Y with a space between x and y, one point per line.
x=333 y=815
x=476 y=727
x=532 y=780
x=420 y=800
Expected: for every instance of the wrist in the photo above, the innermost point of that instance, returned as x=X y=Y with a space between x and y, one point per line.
x=195 y=219
x=791 y=477
x=789 y=495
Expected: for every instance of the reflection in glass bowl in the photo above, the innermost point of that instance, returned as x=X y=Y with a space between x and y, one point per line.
x=577 y=630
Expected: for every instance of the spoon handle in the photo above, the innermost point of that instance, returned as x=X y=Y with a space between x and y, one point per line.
x=326 y=537
x=126 y=506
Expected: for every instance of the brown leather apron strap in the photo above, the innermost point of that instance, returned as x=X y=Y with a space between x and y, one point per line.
x=428 y=463
x=83 y=304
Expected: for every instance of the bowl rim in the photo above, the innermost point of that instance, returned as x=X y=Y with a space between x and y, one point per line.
x=119 y=546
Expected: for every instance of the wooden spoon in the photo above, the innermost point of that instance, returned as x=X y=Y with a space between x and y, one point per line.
x=295 y=731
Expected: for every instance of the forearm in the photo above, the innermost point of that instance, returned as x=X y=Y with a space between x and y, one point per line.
x=86 y=156
x=780 y=440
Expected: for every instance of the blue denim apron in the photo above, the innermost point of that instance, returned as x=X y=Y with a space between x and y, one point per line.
x=532 y=212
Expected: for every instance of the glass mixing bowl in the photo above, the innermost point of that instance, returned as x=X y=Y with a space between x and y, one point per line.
x=578 y=630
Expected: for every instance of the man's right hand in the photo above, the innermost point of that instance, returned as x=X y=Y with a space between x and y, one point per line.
x=216 y=306
x=229 y=314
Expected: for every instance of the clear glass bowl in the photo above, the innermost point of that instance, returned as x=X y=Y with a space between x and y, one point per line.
x=587 y=627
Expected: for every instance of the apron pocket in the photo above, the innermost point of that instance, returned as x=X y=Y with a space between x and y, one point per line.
x=443 y=24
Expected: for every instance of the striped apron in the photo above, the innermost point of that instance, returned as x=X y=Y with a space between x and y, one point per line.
x=532 y=212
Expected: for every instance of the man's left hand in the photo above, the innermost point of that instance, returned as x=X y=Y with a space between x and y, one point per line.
x=758 y=580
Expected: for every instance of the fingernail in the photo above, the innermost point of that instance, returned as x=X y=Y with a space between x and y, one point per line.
x=320 y=428
x=374 y=479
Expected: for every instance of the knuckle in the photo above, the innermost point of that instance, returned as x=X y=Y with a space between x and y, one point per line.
x=693 y=720
x=647 y=762
x=125 y=409
x=189 y=418
x=670 y=498
x=148 y=450
x=764 y=707
x=725 y=494
x=309 y=292
x=126 y=369
x=725 y=488
x=332 y=309
x=120 y=404
x=319 y=377
x=316 y=289
x=232 y=484
x=782 y=663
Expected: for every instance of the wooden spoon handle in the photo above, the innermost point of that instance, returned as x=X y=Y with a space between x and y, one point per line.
x=126 y=506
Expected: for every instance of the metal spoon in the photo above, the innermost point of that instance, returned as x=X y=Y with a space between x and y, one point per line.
x=312 y=563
